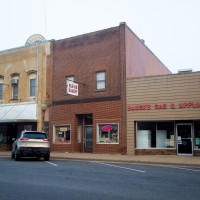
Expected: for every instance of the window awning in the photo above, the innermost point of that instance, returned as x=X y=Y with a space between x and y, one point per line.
x=16 y=112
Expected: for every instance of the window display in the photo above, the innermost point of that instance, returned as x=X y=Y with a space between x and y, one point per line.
x=62 y=134
x=108 y=133
x=197 y=135
x=155 y=135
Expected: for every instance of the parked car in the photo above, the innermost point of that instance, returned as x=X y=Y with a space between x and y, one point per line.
x=31 y=144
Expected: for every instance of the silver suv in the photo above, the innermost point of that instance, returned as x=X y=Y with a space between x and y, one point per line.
x=31 y=144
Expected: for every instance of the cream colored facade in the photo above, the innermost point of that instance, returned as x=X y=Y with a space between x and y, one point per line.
x=164 y=99
x=17 y=67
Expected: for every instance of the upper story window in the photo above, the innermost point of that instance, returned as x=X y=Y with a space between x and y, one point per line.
x=1 y=91
x=32 y=82
x=32 y=87
x=14 y=83
x=101 y=80
x=69 y=78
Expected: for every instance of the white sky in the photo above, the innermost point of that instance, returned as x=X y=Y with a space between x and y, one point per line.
x=170 y=28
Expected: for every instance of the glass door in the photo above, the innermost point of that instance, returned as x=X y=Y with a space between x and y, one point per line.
x=184 y=139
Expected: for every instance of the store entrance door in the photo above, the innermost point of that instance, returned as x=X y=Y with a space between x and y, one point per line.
x=184 y=139
x=88 y=133
x=88 y=139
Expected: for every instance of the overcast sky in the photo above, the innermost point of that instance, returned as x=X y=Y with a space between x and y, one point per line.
x=170 y=28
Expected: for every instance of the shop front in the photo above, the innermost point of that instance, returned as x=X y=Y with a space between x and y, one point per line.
x=168 y=137
x=15 y=117
x=163 y=115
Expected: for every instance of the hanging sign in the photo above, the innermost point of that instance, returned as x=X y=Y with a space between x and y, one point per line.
x=72 y=88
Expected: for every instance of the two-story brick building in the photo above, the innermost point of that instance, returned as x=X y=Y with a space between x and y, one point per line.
x=99 y=63
x=22 y=90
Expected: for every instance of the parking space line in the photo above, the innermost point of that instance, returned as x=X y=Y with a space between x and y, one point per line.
x=194 y=170
x=119 y=167
x=51 y=163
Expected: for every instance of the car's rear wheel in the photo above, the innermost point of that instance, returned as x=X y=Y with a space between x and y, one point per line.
x=17 y=157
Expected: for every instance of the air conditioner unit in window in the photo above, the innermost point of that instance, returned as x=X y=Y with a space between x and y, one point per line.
x=14 y=81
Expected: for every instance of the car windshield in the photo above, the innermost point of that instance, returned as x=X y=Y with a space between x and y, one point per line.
x=34 y=135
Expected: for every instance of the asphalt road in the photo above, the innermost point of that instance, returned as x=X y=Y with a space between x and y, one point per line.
x=30 y=179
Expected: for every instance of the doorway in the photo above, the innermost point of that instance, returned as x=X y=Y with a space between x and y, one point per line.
x=184 y=139
x=88 y=133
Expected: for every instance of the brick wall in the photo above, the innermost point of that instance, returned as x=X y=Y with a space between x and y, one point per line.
x=82 y=57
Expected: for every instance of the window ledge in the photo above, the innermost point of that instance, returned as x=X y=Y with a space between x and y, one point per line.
x=101 y=90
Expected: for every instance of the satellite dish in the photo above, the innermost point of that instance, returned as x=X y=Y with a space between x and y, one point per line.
x=33 y=39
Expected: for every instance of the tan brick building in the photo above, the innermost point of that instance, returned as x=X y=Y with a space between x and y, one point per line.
x=163 y=114
x=98 y=64
x=22 y=90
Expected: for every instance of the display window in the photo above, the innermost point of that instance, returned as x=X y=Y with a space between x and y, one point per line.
x=197 y=135
x=108 y=133
x=155 y=135
x=62 y=134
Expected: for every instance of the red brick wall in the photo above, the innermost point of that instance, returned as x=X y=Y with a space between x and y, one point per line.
x=103 y=112
x=82 y=57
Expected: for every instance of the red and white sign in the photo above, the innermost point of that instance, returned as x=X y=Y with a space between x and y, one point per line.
x=72 y=88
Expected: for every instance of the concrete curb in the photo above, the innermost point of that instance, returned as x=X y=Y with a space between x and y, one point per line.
x=127 y=161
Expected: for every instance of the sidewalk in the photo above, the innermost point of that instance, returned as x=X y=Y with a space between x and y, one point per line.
x=143 y=159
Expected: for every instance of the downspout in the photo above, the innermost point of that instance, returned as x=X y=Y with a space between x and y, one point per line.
x=37 y=81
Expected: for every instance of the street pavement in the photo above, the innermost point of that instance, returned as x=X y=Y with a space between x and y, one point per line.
x=142 y=159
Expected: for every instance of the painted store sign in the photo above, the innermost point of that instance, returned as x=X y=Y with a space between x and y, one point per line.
x=181 y=105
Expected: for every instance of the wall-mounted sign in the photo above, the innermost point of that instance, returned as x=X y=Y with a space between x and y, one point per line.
x=107 y=128
x=181 y=105
x=72 y=88
x=63 y=129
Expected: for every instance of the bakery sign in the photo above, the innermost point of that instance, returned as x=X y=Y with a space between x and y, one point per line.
x=164 y=106
x=72 y=88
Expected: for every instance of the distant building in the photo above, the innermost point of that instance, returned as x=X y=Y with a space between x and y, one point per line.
x=22 y=90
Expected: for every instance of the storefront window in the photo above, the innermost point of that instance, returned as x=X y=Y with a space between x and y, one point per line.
x=197 y=135
x=108 y=133
x=62 y=134
x=155 y=135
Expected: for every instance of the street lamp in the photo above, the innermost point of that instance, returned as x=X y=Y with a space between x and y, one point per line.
x=44 y=107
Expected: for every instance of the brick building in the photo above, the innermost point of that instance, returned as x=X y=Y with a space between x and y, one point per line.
x=99 y=63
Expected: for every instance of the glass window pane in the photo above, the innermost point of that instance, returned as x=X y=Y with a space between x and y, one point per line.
x=165 y=135
x=100 y=76
x=155 y=135
x=69 y=78
x=1 y=91
x=197 y=135
x=101 y=80
x=15 y=91
x=62 y=134
x=32 y=87
x=108 y=134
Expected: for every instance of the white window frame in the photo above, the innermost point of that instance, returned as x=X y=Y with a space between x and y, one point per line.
x=101 y=80
x=13 y=90
x=54 y=132
x=32 y=87
x=97 y=142
x=69 y=78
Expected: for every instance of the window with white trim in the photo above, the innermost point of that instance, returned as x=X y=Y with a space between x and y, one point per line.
x=62 y=134
x=69 y=78
x=101 y=80
x=32 y=87
x=108 y=133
